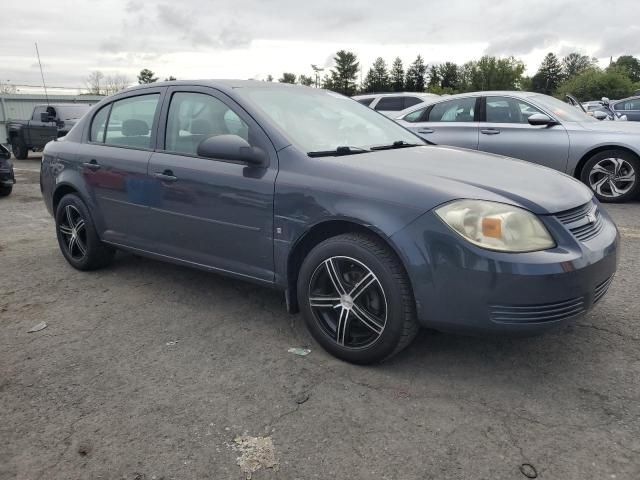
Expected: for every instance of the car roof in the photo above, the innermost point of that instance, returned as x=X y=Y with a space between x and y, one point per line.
x=221 y=84
x=634 y=97
x=65 y=104
x=395 y=94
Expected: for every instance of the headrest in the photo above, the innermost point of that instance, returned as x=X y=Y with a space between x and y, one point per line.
x=134 y=128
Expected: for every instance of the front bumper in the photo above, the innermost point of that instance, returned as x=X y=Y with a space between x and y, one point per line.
x=7 y=177
x=462 y=288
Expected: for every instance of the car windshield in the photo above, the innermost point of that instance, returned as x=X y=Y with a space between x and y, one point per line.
x=322 y=121
x=562 y=110
x=72 y=112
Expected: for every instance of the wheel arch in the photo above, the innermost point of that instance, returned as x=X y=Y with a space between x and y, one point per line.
x=585 y=158
x=318 y=233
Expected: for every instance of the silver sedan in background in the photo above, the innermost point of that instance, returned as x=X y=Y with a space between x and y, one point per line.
x=539 y=129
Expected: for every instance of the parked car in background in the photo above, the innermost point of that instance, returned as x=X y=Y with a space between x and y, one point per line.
x=7 y=177
x=47 y=123
x=370 y=232
x=630 y=107
x=540 y=129
x=391 y=104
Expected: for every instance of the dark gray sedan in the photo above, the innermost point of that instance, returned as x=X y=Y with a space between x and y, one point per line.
x=368 y=231
x=540 y=129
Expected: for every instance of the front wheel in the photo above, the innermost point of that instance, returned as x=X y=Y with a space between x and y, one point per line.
x=5 y=191
x=613 y=175
x=356 y=299
x=77 y=235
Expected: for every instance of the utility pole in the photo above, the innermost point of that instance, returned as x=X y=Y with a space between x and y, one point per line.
x=317 y=71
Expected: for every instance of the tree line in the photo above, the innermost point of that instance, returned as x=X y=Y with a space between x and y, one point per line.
x=574 y=73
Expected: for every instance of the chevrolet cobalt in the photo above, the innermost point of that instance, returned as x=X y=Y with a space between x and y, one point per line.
x=369 y=232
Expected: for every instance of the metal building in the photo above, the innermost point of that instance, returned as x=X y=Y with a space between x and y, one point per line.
x=19 y=107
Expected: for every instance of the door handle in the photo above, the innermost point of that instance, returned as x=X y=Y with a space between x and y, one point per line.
x=490 y=131
x=166 y=176
x=426 y=130
x=93 y=165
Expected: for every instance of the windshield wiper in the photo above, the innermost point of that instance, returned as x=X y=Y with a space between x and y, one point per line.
x=397 y=144
x=342 y=150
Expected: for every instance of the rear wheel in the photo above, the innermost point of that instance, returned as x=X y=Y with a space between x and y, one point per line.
x=77 y=235
x=356 y=299
x=5 y=191
x=613 y=175
x=20 y=150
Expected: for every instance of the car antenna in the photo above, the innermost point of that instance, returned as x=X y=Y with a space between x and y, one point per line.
x=46 y=95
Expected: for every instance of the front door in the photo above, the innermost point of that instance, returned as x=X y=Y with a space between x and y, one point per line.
x=506 y=131
x=452 y=122
x=212 y=212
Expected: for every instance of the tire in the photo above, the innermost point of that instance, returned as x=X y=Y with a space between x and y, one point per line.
x=378 y=320
x=613 y=175
x=20 y=150
x=5 y=191
x=77 y=237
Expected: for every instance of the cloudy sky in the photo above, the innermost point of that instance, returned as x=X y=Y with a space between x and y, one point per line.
x=254 y=38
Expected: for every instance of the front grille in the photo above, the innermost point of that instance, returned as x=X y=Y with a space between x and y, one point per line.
x=584 y=222
x=602 y=289
x=547 y=312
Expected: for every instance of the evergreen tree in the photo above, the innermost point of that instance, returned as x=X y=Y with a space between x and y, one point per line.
x=396 y=77
x=287 y=78
x=549 y=75
x=344 y=73
x=377 y=79
x=269 y=78
x=146 y=76
x=306 y=80
x=434 y=77
x=448 y=75
x=415 y=78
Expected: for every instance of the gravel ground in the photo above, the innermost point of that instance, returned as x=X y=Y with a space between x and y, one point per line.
x=148 y=370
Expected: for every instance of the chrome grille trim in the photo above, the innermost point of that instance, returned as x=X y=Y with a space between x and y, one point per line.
x=547 y=312
x=602 y=289
x=578 y=221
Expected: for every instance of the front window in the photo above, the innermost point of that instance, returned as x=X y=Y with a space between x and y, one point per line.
x=317 y=120
x=509 y=110
x=194 y=117
x=72 y=112
x=560 y=109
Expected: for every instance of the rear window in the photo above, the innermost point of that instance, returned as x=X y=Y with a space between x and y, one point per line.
x=411 y=101
x=131 y=120
x=365 y=101
x=390 y=104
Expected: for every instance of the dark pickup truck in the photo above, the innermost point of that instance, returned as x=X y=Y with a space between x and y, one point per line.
x=47 y=123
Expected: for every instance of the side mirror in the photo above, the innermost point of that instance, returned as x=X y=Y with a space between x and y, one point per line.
x=539 y=119
x=232 y=147
x=45 y=117
x=600 y=115
x=5 y=154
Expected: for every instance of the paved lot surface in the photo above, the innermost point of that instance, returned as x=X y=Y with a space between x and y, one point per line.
x=148 y=370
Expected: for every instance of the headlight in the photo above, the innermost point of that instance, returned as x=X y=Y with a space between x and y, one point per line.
x=496 y=226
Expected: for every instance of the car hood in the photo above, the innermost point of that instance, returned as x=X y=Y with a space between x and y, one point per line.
x=432 y=175
x=612 y=127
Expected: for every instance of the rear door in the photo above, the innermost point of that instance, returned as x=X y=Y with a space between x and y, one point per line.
x=505 y=130
x=213 y=212
x=452 y=122
x=114 y=163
